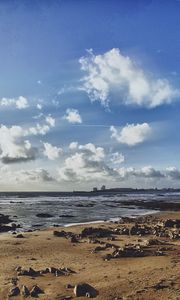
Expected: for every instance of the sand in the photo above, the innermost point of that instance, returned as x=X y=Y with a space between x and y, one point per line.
x=121 y=278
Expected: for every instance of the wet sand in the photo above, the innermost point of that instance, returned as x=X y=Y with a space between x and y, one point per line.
x=151 y=277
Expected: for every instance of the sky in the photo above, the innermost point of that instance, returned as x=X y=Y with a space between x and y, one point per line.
x=89 y=94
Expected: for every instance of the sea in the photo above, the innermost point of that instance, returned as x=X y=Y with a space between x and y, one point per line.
x=66 y=209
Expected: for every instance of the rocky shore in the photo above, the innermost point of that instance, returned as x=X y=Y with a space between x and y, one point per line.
x=134 y=258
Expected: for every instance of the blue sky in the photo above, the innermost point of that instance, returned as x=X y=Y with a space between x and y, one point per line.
x=89 y=94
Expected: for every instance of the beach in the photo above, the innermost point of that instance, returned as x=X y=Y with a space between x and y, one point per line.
x=116 y=263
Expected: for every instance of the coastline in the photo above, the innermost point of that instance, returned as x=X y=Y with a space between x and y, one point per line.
x=146 y=277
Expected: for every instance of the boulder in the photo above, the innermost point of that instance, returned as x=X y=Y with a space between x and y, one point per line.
x=85 y=289
x=15 y=291
x=36 y=290
x=25 y=292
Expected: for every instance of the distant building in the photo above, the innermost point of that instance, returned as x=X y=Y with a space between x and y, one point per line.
x=103 y=188
x=95 y=189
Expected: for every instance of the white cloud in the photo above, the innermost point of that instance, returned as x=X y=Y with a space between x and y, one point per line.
x=173 y=173
x=50 y=120
x=117 y=158
x=38 y=175
x=80 y=167
x=73 y=116
x=13 y=148
x=87 y=163
x=39 y=106
x=114 y=72
x=131 y=134
x=20 y=102
x=52 y=152
x=95 y=153
x=41 y=129
x=14 y=145
x=73 y=145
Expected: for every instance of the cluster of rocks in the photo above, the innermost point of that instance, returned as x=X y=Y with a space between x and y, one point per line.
x=168 y=228
x=24 y=291
x=5 y=225
x=155 y=205
x=52 y=270
x=132 y=251
x=88 y=232
x=96 y=232
x=74 y=238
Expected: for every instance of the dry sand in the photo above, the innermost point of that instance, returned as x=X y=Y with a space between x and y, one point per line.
x=121 y=278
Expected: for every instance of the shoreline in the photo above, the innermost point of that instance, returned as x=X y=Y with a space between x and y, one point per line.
x=118 y=259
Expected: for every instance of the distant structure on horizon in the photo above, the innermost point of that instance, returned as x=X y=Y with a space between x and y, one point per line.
x=103 y=188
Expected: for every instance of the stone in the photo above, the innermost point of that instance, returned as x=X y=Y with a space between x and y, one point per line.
x=15 y=291
x=84 y=289
x=20 y=236
x=25 y=292
x=69 y=286
x=29 y=272
x=36 y=290
x=44 y=215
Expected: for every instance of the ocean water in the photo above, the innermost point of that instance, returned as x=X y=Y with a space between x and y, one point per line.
x=65 y=210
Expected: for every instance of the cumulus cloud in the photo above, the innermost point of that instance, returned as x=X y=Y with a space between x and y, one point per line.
x=115 y=72
x=13 y=148
x=37 y=175
x=20 y=102
x=72 y=116
x=41 y=129
x=131 y=134
x=87 y=163
x=173 y=173
x=95 y=153
x=117 y=158
x=80 y=167
x=50 y=120
x=73 y=145
x=52 y=152
x=15 y=145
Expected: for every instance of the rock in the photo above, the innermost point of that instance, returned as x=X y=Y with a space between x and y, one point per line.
x=4 y=219
x=25 y=292
x=14 y=280
x=20 y=236
x=44 y=215
x=15 y=291
x=73 y=239
x=18 y=269
x=172 y=223
x=52 y=270
x=29 y=272
x=69 y=286
x=36 y=290
x=59 y=233
x=97 y=232
x=84 y=289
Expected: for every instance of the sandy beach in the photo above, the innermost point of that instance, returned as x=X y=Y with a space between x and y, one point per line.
x=146 y=267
